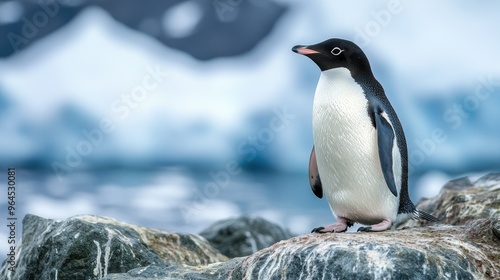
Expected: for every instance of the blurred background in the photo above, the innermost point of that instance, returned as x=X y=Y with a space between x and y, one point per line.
x=175 y=114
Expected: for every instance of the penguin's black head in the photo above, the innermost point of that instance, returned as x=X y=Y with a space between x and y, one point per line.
x=336 y=53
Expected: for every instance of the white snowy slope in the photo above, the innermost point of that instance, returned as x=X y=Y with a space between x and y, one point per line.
x=428 y=56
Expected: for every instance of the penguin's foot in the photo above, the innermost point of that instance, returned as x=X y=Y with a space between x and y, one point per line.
x=384 y=225
x=337 y=227
x=340 y=226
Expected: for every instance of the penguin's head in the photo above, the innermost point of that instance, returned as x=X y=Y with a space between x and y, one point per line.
x=335 y=53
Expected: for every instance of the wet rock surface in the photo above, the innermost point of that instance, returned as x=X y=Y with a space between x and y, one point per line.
x=461 y=200
x=442 y=252
x=91 y=247
x=464 y=246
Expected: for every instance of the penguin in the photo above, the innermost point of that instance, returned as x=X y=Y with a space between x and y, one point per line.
x=359 y=160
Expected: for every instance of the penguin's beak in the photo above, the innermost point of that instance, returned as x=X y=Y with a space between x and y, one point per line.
x=305 y=50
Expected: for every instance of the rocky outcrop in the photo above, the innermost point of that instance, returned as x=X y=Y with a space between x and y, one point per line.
x=461 y=200
x=465 y=246
x=91 y=247
x=238 y=237
x=442 y=252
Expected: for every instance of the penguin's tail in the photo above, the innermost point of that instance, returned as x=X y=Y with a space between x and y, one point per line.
x=424 y=216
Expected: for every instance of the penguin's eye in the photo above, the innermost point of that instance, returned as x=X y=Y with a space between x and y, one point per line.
x=336 y=51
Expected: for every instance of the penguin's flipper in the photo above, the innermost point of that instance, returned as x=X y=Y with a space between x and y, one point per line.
x=314 y=179
x=385 y=137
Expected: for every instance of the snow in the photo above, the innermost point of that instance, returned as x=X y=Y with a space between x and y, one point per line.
x=180 y=20
x=429 y=57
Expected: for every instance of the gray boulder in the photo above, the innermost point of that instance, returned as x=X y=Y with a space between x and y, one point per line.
x=243 y=236
x=461 y=200
x=442 y=252
x=91 y=247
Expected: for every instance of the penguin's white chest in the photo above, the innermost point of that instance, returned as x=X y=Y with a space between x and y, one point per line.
x=347 y=151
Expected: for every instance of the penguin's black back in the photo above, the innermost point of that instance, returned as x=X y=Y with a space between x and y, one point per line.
x=375 y=94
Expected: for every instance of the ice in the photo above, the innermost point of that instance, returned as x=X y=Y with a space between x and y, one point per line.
x=94 y=72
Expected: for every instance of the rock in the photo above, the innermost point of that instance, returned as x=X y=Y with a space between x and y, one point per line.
x=465 y=246
x=212 y=271
x=243 y=236
x=90 y=247
x=443 y=252
x=460 y=201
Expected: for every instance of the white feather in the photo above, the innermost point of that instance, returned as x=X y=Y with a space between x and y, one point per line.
x=347 y=152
